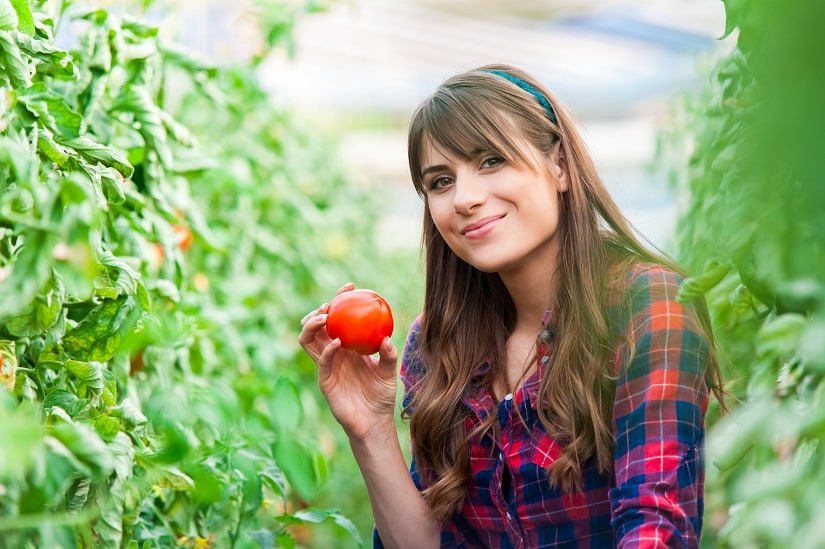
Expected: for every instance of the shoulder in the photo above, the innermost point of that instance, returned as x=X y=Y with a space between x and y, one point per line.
x=654 y=322
x=651 y=281
x=644 y=288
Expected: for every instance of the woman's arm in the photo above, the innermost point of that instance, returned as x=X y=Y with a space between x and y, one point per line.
x=361 y=393
x=659 y=413
x=402 y=518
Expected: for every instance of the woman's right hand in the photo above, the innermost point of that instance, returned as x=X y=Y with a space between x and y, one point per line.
x=360 y=389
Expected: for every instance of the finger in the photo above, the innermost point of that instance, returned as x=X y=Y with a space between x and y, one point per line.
x=327 y=358
x=322 y=309
x=387 y=357
x=311 y=332
x=346 y=288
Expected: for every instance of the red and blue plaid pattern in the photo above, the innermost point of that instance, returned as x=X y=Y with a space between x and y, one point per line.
x=654 y=498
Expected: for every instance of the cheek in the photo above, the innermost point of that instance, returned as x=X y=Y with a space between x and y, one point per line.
x=439 y=215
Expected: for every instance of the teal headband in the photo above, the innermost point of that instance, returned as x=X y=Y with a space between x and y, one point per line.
x=529 y=89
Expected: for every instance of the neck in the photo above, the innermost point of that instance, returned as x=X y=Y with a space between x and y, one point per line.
x=532 y=292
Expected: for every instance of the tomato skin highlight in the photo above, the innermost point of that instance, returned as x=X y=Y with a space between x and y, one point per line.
x=361 y=319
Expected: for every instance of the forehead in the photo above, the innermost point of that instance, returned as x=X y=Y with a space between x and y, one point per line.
x=432 y=154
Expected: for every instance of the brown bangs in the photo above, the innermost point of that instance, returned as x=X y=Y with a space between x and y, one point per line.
x=463 y=123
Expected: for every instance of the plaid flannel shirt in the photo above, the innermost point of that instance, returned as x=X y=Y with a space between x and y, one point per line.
x=655 y=496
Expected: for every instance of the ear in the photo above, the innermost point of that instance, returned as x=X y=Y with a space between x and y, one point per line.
x=558 y=167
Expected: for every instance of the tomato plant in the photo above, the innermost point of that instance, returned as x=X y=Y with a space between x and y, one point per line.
x=153 y=394
x=754 y=233
x=361 y=319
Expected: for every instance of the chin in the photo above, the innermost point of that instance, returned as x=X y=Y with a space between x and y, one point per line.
x=489 y=266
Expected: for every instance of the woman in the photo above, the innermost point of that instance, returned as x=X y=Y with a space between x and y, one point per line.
x=555 y=389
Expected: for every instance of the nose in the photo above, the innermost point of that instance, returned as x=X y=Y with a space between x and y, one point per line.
x=469 y=193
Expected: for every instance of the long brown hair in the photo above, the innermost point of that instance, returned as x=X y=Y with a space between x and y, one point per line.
x=468 y=314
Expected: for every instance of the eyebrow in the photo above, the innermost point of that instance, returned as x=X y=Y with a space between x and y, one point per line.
x=436 y=168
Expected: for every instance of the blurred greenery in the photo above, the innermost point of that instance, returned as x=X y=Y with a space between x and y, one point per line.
x=163 y=228
x=753 y=224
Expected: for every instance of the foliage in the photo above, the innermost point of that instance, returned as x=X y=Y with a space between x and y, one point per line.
x=163 y=228
x=753 y=219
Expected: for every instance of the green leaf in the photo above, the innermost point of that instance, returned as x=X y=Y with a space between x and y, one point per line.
x=695 y=286
x=780 y=336
x=49 y=60
x=812 y=346
x=138 y=101
x=8 y=364
x=103 y=332
x=51 y=109
x=8 y=16
x=298 y=464
x=109 y=393
x=85 y=445
x=124 y=452
x=285 y=540
x=37 y=317
x=174 y=478
x=733 y=15
x=129 y=413
x=275 y=479
x=167 y=289
x=211 y=484
x=107 y=427
x=57 y=414
x=126 y=278
x=112 y=182
x=96 y=152
x=77 y=496
x=190 y=61
x=109 y=525
x=66 y=400
x=15 y=153
x=16 y=69
x=31 y=271
x=286 y=408
x=751 y=425
x=24 y=15
x=138 y=28
x=253 y=495
x=179 y=132
x=264 y=538
x=20 y=438
x=90 y=373
x=49 y=147
x=313 y=515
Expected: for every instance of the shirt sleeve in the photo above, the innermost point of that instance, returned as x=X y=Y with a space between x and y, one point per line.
x=658 y=418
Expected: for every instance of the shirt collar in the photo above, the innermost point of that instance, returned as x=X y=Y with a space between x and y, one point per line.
x=481 y=401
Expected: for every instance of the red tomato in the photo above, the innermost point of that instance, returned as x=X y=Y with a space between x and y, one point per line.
x=361 y=319
x=185 y=237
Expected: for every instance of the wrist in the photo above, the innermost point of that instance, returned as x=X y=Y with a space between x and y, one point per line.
x=377 y=435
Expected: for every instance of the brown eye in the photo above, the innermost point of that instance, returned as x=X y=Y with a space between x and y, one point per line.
x=439 y=183
x=492 y=162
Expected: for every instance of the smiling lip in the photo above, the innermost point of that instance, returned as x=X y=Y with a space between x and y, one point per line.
x=482 y=227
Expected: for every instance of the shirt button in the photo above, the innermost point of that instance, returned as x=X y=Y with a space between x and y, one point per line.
x=508 y=396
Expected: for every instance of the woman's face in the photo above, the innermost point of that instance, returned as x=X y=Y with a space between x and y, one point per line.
x=496 y=216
